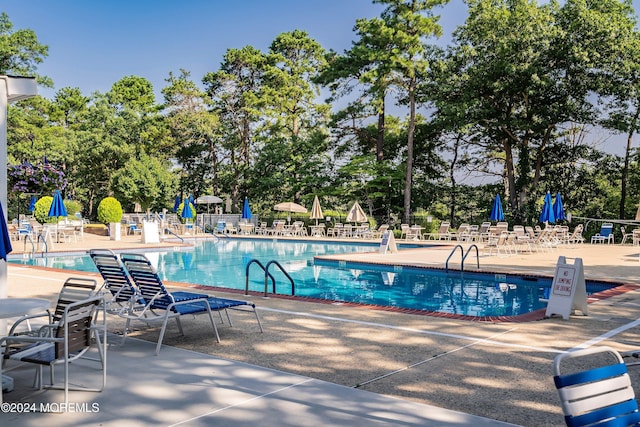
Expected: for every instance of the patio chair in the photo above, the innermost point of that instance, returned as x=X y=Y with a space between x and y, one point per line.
x=163 y=305
x=63 y=342
x=74 y=289
x=604 y=235
x=443 y=232
x=117 y=287
x=625 y=236
x=599 y=395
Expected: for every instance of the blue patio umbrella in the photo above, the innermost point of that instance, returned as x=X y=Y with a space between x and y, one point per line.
x=497 y=214
x=246 y=209
x=176 y=204
x=32 y=204
x=558 y=208
x=187 y=213
x=57 y=206
x=5 y=241
x=547 y=214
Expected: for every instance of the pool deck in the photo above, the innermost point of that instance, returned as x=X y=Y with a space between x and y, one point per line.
x=336 y=364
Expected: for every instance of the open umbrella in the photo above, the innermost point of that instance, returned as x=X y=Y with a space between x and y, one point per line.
x=547 y=214
x=5 y=240
x=290 y=207
x=558 y=208
x=207 y=200
x=316 y=210
x=246 y=209
x=356 y=214
x=497 y=214
x=176 y=204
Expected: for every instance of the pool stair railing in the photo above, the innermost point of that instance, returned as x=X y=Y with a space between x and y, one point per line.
x=169 y=231
x=45 y=248
x=267 y=276
x=464 y=256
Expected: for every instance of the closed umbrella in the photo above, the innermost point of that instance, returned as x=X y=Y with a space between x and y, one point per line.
x=187 y=213
x=356 y=214
x=32 y=204
x=497 y=213
x=547 y=214
x=5 y=240
x=246 y=209
x=57 y=208
x=316 y=210
x=558 y=208
x=176 y=204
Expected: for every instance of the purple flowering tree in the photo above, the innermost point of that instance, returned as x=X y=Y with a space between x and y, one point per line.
x=42 y=178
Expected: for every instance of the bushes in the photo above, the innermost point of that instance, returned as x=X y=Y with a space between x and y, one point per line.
x=109 y=210
x=41 y=212
x=43 y=205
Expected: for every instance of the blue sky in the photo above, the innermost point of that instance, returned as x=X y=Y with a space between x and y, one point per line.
x=93 y=44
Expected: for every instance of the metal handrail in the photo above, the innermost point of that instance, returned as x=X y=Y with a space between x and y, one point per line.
x=167 y=230
x=446 y=265
x=33 y=249
x=293 y=286
x=464 y=256
x=204 y=230
x=266 y=274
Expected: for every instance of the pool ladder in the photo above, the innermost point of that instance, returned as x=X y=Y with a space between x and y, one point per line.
x=464 y=256
x=267 y=276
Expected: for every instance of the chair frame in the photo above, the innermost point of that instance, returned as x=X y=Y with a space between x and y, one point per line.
x=602 y=392
x=161 y=305
x=73 y=289
x=64 y=342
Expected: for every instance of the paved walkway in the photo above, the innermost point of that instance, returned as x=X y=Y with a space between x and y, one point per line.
x=497 y=371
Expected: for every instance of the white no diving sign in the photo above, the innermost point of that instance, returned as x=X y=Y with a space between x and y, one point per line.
x=568 y=290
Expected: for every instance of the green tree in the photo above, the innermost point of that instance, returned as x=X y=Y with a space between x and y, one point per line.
x=20 y=52
x=407 y=23
x=147 y=181
x=195 y=129
x=235 y=92
x=294 y=131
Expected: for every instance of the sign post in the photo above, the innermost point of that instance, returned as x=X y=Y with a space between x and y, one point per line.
x=388 y=243
x=568 y=290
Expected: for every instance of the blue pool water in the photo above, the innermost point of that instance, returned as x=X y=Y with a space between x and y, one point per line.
x=223 y=263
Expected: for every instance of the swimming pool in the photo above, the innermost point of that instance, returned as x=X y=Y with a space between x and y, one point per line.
x=223 y=263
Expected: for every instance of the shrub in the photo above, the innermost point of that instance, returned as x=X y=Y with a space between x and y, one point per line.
x=72 y=207
x=41 y=211
x=109 y=210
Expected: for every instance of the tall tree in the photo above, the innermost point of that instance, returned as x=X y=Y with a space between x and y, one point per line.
x=195 y=131
x=621 y=82
x=295 y=126
x=235 y=92
x=407 y=24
